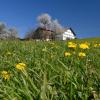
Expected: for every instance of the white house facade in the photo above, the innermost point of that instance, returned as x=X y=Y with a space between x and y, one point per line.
x=67 y=35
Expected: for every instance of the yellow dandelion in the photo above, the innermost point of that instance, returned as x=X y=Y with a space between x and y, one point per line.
x=84 y=46
x=66 y=54
x=5 y=75
x=20 y=66
x=81 y=54
x=95 y=45
x=70 y=42
x=72 y=45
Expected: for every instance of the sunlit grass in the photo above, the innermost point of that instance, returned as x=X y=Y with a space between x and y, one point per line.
x=51 y=70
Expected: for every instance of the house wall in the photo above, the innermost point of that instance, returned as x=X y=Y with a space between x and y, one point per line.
x=68 y=34
x=59 y=37
x=42 y=34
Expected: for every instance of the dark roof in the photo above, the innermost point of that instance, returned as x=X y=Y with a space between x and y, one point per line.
x=72 y=31
x=40 y=28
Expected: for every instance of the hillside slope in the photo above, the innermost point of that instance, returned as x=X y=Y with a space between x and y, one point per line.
x=53 y=70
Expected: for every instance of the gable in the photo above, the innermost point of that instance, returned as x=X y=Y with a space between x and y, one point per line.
x=72 y=31
x=69 y=31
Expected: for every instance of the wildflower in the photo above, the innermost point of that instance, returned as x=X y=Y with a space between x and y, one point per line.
x=70 y=42
x=66 y=54
x=20 y=66
x=95 y=45
x=5 y=75
x=81 y=54
x=72 y=45
x=84 y=46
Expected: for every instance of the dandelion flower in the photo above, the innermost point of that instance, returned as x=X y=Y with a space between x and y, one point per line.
x=81 y=54
x=70 y=42
x=95 y=45
x=66 y=54
x=20 y=66
x=5 y=75
x=72 y=45
x=84 y=46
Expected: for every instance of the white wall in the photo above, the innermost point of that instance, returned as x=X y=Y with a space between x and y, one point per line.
x=68 y=34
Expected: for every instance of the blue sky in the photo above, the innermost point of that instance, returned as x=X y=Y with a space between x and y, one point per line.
x=82 y=15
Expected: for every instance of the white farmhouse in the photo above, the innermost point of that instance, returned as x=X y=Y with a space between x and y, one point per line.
x=66 y=35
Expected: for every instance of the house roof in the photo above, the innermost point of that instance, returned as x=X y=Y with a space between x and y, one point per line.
x=71 y=30
x=40 y=28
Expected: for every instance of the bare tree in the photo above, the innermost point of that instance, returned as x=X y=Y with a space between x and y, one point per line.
x=44 y=21
x=57 y=27
x=13 y=33
x=30 y=34
x=2 y=26
x=6 y=33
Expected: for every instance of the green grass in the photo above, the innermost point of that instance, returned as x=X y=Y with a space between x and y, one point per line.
x=49 y=75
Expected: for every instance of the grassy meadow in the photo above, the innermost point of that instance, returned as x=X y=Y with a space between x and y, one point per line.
x=53 y=70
